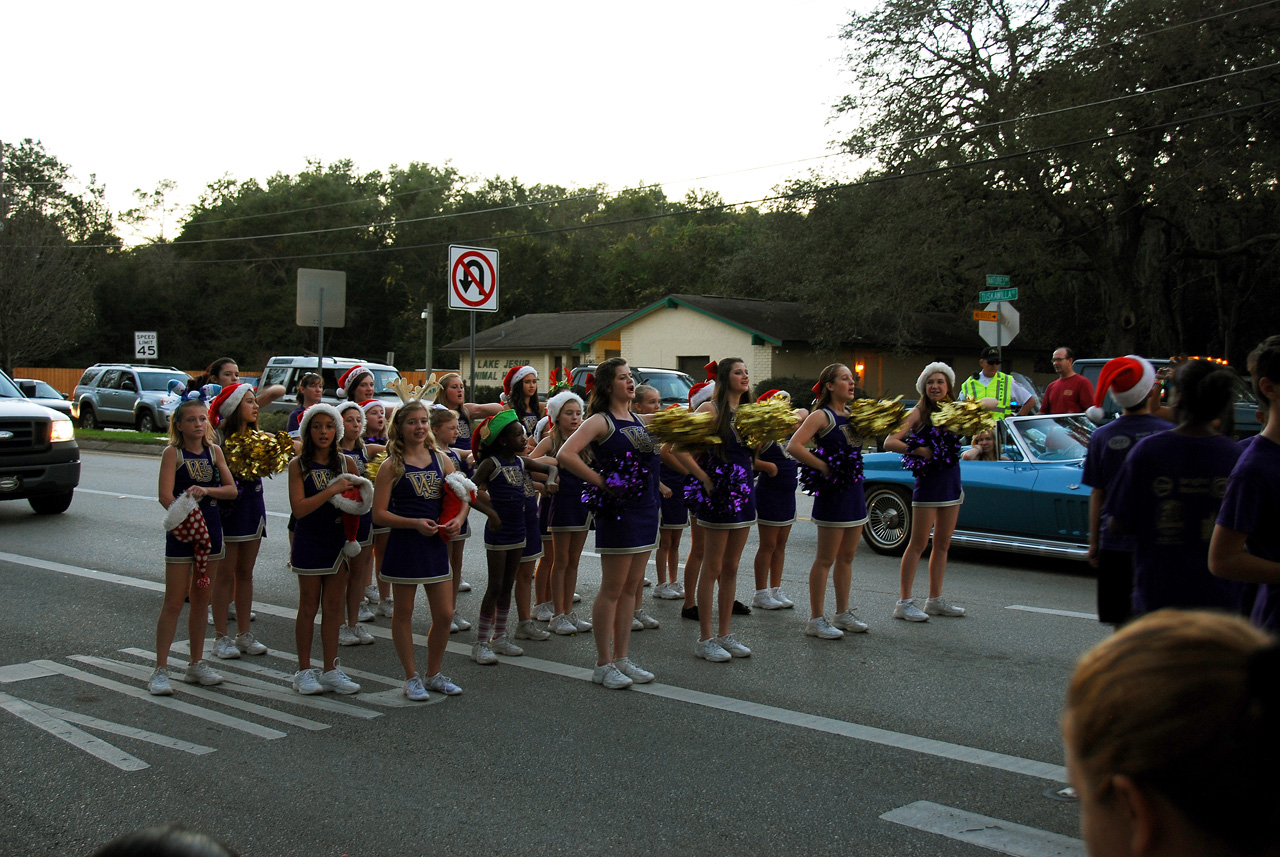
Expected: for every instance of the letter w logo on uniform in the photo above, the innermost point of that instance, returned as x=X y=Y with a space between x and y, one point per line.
x=425 y=484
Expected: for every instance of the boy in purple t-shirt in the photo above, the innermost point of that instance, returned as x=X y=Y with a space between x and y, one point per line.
x=1246 y=541
x=1130 y=380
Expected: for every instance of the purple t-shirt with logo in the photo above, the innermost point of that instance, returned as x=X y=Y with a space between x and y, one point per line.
x=1252 y=506
x=1168 y=494
x=1108 y=448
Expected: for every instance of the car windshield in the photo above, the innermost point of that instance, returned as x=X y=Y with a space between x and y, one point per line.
x=158 y=382
x=671 y=386
x=1063 y=437
x=44 y=391
x=8 y=389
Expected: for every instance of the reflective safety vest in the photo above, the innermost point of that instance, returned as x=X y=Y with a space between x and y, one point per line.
x=1000 y=388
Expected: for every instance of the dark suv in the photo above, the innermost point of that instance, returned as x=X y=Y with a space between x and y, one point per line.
x=39 y=458
x=120 y=394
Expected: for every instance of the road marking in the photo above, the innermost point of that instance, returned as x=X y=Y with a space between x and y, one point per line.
x=993 y=834
x=22 y=672
x=151 y=499
x=165 y=701
x=77 y=738
x=125 y=731
x=1071 y=613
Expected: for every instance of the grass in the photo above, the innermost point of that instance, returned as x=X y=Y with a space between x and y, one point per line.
x=122 y=436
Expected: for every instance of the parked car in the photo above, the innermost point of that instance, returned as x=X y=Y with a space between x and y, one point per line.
x=287 y=371
x=1032 y=503
x=122 y=394
x=39 y=458
x=672 y=385
x=1245 y=410
x=43 y=393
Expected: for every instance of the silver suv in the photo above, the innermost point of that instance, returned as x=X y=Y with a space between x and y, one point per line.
x=288 y=370
x=121 y=394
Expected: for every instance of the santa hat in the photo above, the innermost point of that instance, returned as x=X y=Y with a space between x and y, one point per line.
x=369 y=404
x=701 y=392
x=514 y=376
x=931 y=369
x=559 y=400
x=185 y=520
x=461 y=490
x=711 y=370
x=226 y=402
x=355 y=501
x=352 y=406
x=1129 y=379
x=320 y=408
x=349 y=381
x=769 y=394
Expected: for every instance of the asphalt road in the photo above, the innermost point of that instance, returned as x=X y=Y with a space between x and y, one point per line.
x=937 y=738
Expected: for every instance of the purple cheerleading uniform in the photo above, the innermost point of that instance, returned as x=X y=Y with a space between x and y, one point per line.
x=675 y=514
x=532 y=522
x=568 y=514
x=294 y=424
x=636 y=529
x=838 y=507
x=1252 y=506
x=1168 y=495
x=776 y=495
x=318 y=538
x=530 y=422
x=463 y=443
x=244 y=519
x=736 y=453
x=410 y=556
x=938 y=487
x=365 y=534
x=197 y=470
x=506 y=495
x=465 y=532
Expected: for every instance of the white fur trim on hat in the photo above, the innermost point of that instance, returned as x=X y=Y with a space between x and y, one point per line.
x=462 y=487
x=520 y=374
x=352 y=406
x=703 y=395
x=936 y=367
x=371 y=404
x=233 y=400
x=352 y=377
x=320 y=408
x=354 y=507
x=180 y=510
x=1129 y=379
x=559 y=400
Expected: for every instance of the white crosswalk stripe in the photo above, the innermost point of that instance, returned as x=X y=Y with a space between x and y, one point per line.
x=77 y=738
x=994 y=834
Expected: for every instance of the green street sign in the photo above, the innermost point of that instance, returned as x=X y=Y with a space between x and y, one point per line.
x=997 y=281
x=998 y=295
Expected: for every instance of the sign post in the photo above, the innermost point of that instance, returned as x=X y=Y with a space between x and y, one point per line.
x=997 y=324
x=146 y=345
x=322 y=302
x=473 y=287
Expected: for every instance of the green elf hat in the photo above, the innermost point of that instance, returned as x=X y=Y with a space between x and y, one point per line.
x=488 y=430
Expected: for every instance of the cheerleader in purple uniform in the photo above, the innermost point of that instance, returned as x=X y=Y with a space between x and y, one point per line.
x=520 y=394
x=191 y=464
x=353 y=633
x=244 y=526
x=727 y=527
x=537 y=540
x=675 y=520
x=775 y=496
x=935 y=503
x=318 y=474
x=408 y=498
x=839 y=510
x=310 y=392
x=377 y=592
x=444 y=428
x=569 y=518
x=626 y=531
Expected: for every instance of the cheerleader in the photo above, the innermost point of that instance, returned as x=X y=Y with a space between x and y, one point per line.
x=775 y=493
x=353 y=633
x=728 y=523
x=318 y=474
x=537 y=539
x=839 y=510
x=310 y=392
x=935 y=503
x=226 y=373
x=191 y=465
x=444 y=429
x=520 y=393
x=499 y=443
x=569 y=518
x=244 y=526
x=698 y=394
x=408 y=498
x=648 y=402
x=377 y=592
x=626 y=533
x=675 y=520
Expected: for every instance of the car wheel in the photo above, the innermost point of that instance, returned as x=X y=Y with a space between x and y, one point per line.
x=51 y=504
x=146 y=422
x=888 y=527
x=88 y=419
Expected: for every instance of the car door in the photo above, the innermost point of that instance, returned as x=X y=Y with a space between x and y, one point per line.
x=998 y=494
x=107 y=397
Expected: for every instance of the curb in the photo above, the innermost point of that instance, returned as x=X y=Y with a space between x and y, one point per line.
x=147 y=449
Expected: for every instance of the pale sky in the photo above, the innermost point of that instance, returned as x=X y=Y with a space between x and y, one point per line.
x=571 y=93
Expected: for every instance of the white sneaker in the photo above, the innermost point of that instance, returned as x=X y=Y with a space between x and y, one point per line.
x=503 y=646
x=710 y=650
x=941 y=607
x=678 y=588
x=781 y=598
x=822 y=629
x=364 y=614
x=201 y=673
x=386 y=607
x=371 y=594
x=765 y=601
x=443 y=684
x=846 y=621
x=544 y=611
x=646 y=620
x=249 y=644
x=463 y=586
x=583 y=625
x=908 y=610
x=460 y=623
x=636 y=624
x=414 y=691
x=562 y=625
x=225 y=649
x=666 y=592
x=482 y=654
x=637 y=674
x=527 y=629
x=158 y=684
x=647 y=583
x=306 y=683
x=576 y=598
x=363 y=635
x=347 y=636
x=336 y=680
x=610 y=676
x=733 y=647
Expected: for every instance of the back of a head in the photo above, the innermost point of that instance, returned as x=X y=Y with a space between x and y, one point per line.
x=1183 y=704
x=165 y=841
x=1264 y=362
x=1205 y=391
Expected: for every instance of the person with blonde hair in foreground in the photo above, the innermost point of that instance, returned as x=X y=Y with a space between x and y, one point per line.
x=1170 y=731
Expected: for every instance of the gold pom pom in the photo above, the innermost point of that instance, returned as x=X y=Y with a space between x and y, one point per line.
x=371 y=469
x=760 y=424
x=965 y=418
x=255 y=454
x=684 y=428
x=876 y=417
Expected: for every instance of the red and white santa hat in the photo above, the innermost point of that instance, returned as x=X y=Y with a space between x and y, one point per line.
x=514 y=376
x=353 y=406
x=226 y=402
x=770 y=394
x=369 y=404
x=347 y=383
x=1129 y=379
x=320 y=408
x=701 y=392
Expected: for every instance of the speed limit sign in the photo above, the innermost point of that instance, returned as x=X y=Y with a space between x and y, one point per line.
x=145 y=345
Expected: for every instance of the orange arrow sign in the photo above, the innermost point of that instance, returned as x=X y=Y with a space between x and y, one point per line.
x=983 y=315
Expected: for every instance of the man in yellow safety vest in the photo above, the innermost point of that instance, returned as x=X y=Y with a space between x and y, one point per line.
x=991 y=383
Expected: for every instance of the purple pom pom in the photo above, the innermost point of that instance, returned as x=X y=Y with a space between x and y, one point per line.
x=945 y=446
x=626 y=479
x=730 y=490
x=845 y=465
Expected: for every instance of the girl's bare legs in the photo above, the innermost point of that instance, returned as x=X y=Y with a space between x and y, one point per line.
x=764 y=553
x=402 y=626
x=922 y=521
x=779 y=556
x=564 y=573
x=942 y=530
x=178 y=579
x=440 y=600
x=310 y=588
x=734 y=543
x=361 y=565
x=333 y=600
x=842 y=576
x=615 y=576
x=830 y=540
x=693 y=565
x=627 y=602
x=245 y=558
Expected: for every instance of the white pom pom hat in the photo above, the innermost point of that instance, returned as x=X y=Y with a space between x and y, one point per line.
x=932 y=368
x=321 y=408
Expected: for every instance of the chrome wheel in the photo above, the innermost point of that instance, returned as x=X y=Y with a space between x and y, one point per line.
x=888 y=527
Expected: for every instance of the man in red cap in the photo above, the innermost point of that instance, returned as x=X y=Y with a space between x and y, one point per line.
x=1130 y=381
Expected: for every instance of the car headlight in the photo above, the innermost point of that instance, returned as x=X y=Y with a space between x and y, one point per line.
x=61 y=430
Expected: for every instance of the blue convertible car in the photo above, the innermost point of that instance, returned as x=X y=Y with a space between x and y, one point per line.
x=1032 y=501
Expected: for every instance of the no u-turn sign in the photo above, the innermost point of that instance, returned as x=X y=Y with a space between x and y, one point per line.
x=473 y=279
